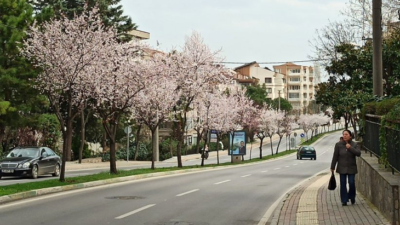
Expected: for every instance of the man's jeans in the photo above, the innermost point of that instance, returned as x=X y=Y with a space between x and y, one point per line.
x=351 y=194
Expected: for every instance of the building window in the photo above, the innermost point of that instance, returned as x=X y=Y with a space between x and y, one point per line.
x=295 y=71
x=278 y=70
x=269 y=90
x=294 y=95
x=294 y=87
x=268 y=80
x=284 y=80
x=304 y=78
x=294 y=79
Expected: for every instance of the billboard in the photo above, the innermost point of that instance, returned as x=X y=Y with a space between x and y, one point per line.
x=213 y=136
x=237 y=143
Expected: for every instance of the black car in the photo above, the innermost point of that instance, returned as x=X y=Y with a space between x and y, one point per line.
x=30 y=161
x=306 y=152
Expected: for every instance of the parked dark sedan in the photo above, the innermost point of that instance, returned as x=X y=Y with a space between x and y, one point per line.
x=30 y=161
x=306 y=152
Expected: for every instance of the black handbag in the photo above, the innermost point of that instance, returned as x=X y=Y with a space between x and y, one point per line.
x=332 y=183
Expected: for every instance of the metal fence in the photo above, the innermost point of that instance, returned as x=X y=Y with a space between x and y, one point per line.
x=371 y=137
x=392 y=147
x=372 y=144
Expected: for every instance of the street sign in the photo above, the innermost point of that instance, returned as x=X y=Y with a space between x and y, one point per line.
x=127 y=130
x=302 y=135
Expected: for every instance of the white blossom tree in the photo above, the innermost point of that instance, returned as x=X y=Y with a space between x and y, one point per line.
x=115 y=86
x=196 y=68
x=285 y=127
x=269 y=124
x=67 y=51
x=153 y=104
x=219 y=112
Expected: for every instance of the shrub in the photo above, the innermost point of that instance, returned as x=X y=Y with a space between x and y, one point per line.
x=386 y=105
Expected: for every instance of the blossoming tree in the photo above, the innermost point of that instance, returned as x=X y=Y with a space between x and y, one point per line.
x=153 y=104
x=196 y=67
x=67 y=51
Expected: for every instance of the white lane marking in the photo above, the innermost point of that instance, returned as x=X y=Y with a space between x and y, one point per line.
x=286 y=166
x=223 y=181
x=246 y=175
x=134 y=211
x=277 y=168
x=295 y=164
x=188 y=192
x=264 y=171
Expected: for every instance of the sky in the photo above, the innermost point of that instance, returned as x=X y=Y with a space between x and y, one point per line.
x=243 y=30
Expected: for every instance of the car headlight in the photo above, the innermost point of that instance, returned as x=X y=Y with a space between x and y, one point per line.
x=25 y=165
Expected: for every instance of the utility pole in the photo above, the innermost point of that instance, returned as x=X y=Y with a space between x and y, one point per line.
x=377 y=47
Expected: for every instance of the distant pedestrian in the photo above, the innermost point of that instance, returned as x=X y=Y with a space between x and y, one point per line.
x=345 y=157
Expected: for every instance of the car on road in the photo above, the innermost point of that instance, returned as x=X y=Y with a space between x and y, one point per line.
x=30 y=161
x=306 y=152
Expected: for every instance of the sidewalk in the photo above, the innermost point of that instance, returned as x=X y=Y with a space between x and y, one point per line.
x=312 y=203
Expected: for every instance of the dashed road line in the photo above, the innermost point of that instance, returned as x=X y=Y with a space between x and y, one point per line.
x=188 y=192
x=134 y=211
x=247 y=175
x=223 y=182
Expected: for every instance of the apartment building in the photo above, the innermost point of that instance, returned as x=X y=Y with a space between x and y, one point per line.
x=300 y=82
x=252 y=74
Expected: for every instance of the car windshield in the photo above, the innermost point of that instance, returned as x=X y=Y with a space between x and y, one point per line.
x=24 y=152
x=308 y=149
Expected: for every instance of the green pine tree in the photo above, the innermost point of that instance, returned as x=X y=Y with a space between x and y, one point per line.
x=20 y=103
x=110 y=11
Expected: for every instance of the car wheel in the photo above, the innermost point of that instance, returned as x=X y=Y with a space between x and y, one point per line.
x=315 y=158
x=56 y=171
x=301 y=158
x=35 y=171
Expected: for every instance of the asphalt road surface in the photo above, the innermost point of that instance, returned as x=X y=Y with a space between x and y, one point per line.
x=242 y=194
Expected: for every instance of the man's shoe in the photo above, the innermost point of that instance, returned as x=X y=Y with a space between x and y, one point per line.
x=344 y=204
x=353 y=201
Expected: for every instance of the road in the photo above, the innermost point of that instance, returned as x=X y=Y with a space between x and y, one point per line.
x=241 y=194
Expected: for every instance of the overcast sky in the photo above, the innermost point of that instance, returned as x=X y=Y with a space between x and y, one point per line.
x=245 y=30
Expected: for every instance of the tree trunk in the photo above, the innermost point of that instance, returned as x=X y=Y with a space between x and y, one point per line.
x=137 y=142
x=3 y=142
x=198 y=141
x=111 y=131
x=261 y=142
x=113 y=164
x=277 y=147
x=153 y=147
x=270 y=141
x=67 y=138
x=82 y=145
